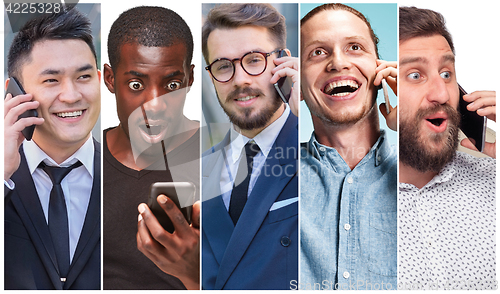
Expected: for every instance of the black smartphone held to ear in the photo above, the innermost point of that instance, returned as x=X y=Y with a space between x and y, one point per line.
x=284 y=84
x=179 y=192
x=472 y=124
x=15 y=88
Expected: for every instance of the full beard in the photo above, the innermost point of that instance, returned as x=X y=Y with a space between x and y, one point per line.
x=414 y=152
x=245 y=120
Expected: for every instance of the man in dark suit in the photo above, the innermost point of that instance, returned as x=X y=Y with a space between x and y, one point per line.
x=52 y=223
x=249 y=184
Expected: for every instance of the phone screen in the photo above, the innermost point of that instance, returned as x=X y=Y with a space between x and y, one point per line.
x=472 y=124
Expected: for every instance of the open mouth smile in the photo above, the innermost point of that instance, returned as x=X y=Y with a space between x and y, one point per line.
x=341 y=88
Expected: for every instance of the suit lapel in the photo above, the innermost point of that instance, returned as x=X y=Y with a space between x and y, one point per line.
x=265 y=192
x=91 y=231
x=27 y=203
x=217 y=225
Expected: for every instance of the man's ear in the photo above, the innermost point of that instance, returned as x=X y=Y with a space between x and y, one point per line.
x=109 y=78
x=7 y=83
x=288 y=52
x=191 y=75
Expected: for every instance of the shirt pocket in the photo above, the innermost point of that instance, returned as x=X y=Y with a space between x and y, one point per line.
x=284 y=212
x=382 y=259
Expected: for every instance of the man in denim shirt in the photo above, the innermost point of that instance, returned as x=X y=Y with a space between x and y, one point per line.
x=348 y=169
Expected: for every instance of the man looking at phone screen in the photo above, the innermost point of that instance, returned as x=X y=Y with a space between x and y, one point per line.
x=446 y=198
x=250 y=234
x=348 y=168
x=52 y=182
x=150 y=51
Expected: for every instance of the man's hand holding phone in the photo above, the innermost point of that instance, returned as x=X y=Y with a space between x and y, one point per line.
x=177 y=254
x=388 y=70
x=288 y=66
x=13 y=136
x=484 y=104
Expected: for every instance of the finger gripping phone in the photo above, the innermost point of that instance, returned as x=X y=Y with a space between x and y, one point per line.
x=15 y=89
x=181 y=193
x=472 y=124
x=284 y=84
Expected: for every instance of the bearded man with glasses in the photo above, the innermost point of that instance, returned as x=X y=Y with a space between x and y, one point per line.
x=250 y=185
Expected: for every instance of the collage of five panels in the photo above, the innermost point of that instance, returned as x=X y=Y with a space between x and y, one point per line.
x=167 y=145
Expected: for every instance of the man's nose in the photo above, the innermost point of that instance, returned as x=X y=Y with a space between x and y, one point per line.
x=241 y=77
x=69 y=92
x=155 y=99
x=338 y=61
x=437 y=90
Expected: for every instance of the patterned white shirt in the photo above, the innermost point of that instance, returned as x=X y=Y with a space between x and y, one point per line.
x=446 y=236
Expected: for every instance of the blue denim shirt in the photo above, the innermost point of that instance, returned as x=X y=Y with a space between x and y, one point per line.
x=348 y=218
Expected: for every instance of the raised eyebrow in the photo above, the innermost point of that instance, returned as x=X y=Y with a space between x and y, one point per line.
x=408 y=60
x=173 y=74
x=448 y=58
x=136 y=73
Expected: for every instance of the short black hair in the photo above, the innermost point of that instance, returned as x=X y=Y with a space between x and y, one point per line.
x=148 y=26
x=65 y=25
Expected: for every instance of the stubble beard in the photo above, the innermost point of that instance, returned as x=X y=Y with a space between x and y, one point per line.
x=414 y=152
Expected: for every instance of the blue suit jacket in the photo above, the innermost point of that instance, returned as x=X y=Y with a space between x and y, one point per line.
x=261 y=251
x=30 y=260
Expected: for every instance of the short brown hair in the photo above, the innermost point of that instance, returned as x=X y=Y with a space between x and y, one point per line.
x=338 y=6
x=416 y=22
x=249 y=14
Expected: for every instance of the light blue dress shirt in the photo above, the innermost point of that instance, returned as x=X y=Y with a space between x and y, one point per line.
x=348 y=218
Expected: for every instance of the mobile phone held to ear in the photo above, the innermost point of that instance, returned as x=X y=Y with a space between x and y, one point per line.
x=15 y=88
x=472 y=124
x=181 y=193
x=284 y=84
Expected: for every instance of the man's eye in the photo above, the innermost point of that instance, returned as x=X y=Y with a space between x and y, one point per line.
x=445 y=75
x=84 y=77
x=317 y=52
x=135 y=85
x=414 y=76
x=354 y=47
x=172 y=86
x=50 y=81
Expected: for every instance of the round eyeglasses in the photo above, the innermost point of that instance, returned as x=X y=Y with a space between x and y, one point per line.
x=253 y=63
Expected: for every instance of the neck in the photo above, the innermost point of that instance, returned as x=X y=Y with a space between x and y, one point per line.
x=352 y=141
x=119 y=145
x=414 y=177
x=58 y=153
x=254 y=132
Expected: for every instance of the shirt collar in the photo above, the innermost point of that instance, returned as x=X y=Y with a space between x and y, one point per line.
x=381 y=149
x=265 y=139
x=34 y=155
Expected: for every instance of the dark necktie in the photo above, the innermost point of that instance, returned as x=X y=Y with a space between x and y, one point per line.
x=58 y=216
x=240 y=191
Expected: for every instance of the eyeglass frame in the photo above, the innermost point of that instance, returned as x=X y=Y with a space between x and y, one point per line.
x=266 y=55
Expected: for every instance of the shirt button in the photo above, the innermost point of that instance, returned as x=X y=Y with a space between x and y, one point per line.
x=350 y=180
x=346 y=275
x=322 y=149
x=285 y=241
x=347 y=227
x=379 y=158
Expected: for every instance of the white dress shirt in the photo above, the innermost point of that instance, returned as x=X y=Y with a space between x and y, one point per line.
x=446 y=235
x=265 y=140
x=76 y=186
